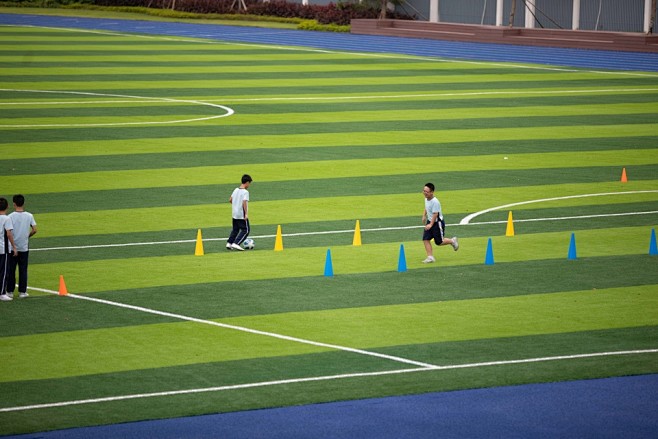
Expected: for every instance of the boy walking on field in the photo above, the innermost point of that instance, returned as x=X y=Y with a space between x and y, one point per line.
x=240 y=211
x=434 y=224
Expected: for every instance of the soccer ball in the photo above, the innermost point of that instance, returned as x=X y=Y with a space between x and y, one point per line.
x=248 y=244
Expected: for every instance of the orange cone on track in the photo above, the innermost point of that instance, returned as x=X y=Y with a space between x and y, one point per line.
x=624 y=179
x=62 y=286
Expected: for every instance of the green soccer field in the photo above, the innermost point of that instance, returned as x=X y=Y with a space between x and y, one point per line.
x=126 y=146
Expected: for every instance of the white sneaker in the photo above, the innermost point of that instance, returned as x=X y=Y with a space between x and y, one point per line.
x=5 y=297
x=23 y=295
x=429 y=260
x=229 y=246
x=236 y=247
x=455 y=243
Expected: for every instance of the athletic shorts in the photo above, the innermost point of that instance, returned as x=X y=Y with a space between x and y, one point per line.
x=435 y=233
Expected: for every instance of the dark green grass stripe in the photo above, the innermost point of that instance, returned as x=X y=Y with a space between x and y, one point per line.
x=251 y=75
x=455 y=102
x=388 y=236
x=280 y=155
x=59 y=134
x=347 y=61
x=71 y=54
x=232 y=299
x=322 y=364
x=318 y=107
x=341 y=89
x=285 y=190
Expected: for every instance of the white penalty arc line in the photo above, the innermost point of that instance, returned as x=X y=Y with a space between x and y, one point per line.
x=242 y=329
x=467 y=219
x=325 y=378
x=229 y=111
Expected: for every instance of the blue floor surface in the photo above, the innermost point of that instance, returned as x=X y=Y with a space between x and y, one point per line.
x=591 y=59
x=623 y=407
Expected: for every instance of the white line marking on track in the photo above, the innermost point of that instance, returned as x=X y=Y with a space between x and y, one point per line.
x=467 y=219
x=324 y=378
x=240 y=328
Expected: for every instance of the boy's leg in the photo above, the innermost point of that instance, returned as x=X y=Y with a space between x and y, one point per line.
x=22 y=271
x=243 y=233
x=3 y=278
x=12 y=261
x=234 y=233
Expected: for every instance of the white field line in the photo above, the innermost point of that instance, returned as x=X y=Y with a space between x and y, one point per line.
x=438 y=95
x=241 y=328
x=229 y=111
x=324 y=378
x=468 y=218
x=335 y=232
x=209 y=39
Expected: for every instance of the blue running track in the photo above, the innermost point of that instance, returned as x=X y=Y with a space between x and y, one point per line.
x=622 y=407
x=590 y=59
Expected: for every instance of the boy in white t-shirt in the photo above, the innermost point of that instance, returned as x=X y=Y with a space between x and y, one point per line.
x=24 y=228
x=240 y=212
x=7 y=239
x=434 y=224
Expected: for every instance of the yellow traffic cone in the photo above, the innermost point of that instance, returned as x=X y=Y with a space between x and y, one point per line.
x=357 y=234
x=278 y=241
x=198 y=250
x=510 y=225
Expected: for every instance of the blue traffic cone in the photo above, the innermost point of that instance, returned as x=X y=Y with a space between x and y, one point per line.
x=489 y=259
x=328 y=267
x=572 y=247
x=653 y=249
x=402 y=260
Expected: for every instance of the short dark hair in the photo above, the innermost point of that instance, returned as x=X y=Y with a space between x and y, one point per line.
x=19 y=200
x=430 y=185
x=246 y=178
x=3 y=203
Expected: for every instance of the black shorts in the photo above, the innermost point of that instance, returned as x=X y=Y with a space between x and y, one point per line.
x=436 y=232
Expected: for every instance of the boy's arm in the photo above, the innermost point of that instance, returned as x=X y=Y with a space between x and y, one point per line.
x=244 y=209
x=33 y=231
x=10 y=235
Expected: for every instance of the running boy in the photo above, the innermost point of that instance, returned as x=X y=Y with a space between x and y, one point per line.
x=434 y=224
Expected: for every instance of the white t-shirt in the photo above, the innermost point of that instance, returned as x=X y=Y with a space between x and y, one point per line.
x=5 y=224
x=23 y=223
x=431 y=207
x=239 y=195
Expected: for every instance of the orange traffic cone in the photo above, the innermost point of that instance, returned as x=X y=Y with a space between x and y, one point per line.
x=624 y=179
x=62 y=286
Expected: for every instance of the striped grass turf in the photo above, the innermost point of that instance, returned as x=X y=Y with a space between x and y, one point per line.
x=329 y=138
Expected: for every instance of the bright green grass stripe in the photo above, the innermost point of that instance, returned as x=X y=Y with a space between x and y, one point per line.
x=136 y=145
x=131 y=273
x=288 y=171
x=135 y=347
x=114 y=114
x=330 y=208
x=257 y=67
x=540 y=79
x=468 y=319
x=163 y=345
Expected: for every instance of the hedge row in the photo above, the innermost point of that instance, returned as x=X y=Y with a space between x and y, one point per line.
x=337 y=14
